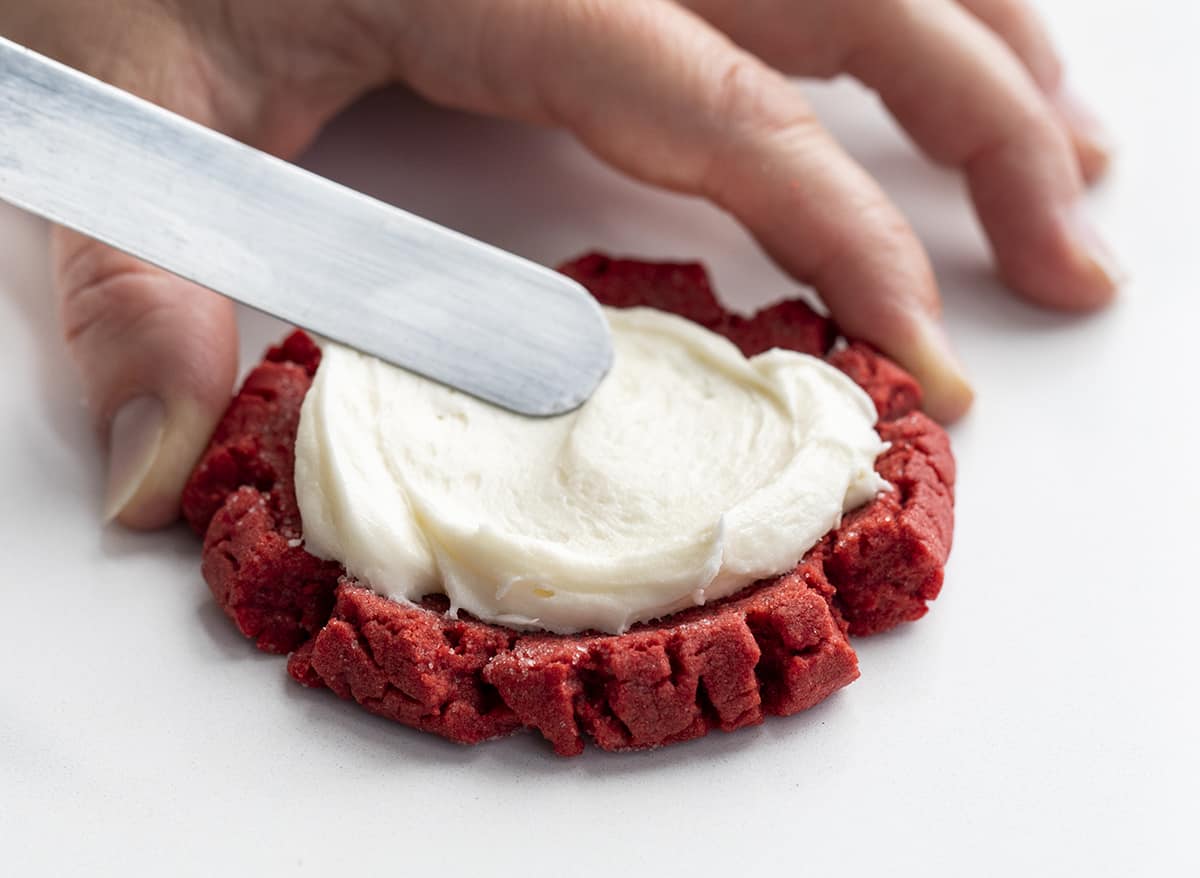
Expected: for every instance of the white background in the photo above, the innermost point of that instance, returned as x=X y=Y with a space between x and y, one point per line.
x=1041 y=720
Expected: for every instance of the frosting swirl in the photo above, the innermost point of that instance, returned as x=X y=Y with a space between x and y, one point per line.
x=691 y=472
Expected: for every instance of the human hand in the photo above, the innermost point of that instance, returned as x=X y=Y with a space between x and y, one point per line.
x=661 y=92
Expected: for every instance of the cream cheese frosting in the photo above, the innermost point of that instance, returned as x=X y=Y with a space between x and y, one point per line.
x=690 y=473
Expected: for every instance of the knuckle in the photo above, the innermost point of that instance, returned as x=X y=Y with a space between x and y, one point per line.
x=746 y=94
x=130 y=328
x=870 y=28
x=1008 y=16
x=110 y=311
x=135 y=328
x=105 y=293
x=882 y=239
x=754 y=114
x=1031 y=138
x=879 y=16
x=1018 y=24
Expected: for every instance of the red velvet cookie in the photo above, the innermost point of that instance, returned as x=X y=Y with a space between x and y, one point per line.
x=777 y=647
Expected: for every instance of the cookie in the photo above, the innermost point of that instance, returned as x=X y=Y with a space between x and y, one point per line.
x=777 y=647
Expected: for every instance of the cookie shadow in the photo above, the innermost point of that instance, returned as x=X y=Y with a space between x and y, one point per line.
x=373 y=736
x=974 y=295
x=526 y=753
x=221 y=633
x=176 y=543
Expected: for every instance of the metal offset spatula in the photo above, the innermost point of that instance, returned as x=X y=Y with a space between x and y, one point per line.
x=295 y=245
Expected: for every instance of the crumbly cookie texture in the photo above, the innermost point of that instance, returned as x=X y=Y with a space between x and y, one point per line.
x=777 y=647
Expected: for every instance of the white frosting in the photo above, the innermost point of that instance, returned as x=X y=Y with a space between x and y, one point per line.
x=689 y=474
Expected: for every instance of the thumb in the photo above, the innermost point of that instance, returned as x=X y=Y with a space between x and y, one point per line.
x=158 y=358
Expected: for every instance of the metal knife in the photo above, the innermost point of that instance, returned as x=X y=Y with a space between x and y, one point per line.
x=280 y=239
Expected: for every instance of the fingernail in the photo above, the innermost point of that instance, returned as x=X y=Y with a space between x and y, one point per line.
x=1083 y=121
x=948 y=391
x=1093 y=144
x=134 y=439
x=1092 y=247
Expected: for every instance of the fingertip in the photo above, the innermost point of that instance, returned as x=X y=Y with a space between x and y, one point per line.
x=152 y=448
x=1074 y=270
x=1094 y=159
x=1098 y=267
x=948 y=394
x=158 y=358
x=1093 y=144
x=949 y=401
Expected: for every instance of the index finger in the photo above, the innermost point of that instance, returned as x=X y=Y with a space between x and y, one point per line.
x=668 y=99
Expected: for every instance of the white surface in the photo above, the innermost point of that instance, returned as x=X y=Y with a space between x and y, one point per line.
x=1041 y=720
